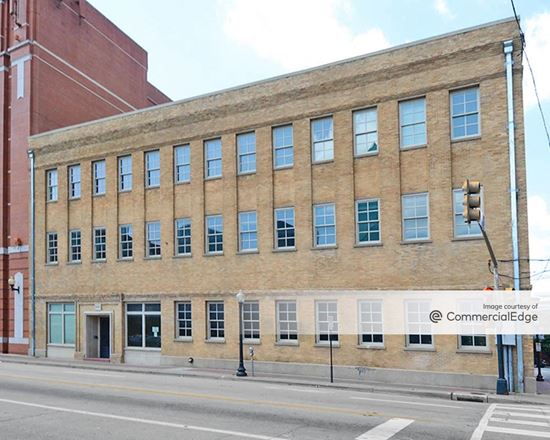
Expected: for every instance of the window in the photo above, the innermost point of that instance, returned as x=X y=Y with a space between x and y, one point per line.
x=461 y=228
x=183 y=236
x=473 y=341
x=465 y=113
x=412 y=117
x=99 y=177
x=246 y=146
x=182 y=163
x=51 y=190
x=100 y=244
x=75 y=250
x=283 y=154
x=322 y=135
x=368 y=221
x=472 y=334
x=74 y=181
x=285 y=228
x=213 y=155
x=216 y=321
x=415 y=217
x=184 y=320
x=419 y=328
x=61 y=324
x=143 y=325
x=370 y=323
x=153 y=239
x=248 y=233
x=152 y=169
x=251 y=320
x=125 y=173
x=51 y=247
x=365 y=131
x=324 y=219
x=125 y=242
x=214 y=234
x=327 y=321
x=287 y=323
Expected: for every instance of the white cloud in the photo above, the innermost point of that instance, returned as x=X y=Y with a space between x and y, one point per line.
x=537 y=37
x=442 y=8
x=539 y=240
x=299 y=34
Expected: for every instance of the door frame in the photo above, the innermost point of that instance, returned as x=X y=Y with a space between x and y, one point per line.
x=111 y=336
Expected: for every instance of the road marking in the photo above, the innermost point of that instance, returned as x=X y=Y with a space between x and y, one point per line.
x=525 y=408
x=406 y=402
x=523 y=432
x=517 y=414
x=520 y=422
x=300 y=390
x=144 y=421
x=385 y=430
x=478 y=433
x=86 y=373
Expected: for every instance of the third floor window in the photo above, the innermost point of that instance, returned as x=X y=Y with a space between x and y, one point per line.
x=125 y=173
x=74 y=182
x=322 y=136
x=152 y=169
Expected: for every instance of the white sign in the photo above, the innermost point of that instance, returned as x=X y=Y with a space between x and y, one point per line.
x=155 y=331
x=97 y=307
x=538 y=347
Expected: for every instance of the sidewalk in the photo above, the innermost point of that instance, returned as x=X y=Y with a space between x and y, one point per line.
x=434 y=392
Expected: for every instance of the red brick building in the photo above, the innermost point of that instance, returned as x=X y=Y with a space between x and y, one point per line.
x=62 y=63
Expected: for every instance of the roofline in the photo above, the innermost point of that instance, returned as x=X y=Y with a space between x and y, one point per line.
x=275 y=78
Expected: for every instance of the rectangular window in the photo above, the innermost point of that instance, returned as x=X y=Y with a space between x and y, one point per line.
x=370 y=323
x=285 y=228
x=248 y=233
x=213 y=158
x=99 y=177
x=327 y=321
x=125 y=242
x=51 y=247
x=74 y=181
x=51 y=182
x=184 y=324
x=214 y=234
x=153 y=239
x=152 y=169
x=465 y=113
x=365 y=131
x=75 y=250
x=324 y=222
x=216 y=320
x=368 y=221
x=61 y=323
x=283 y=147
x=143 y=325
x=125 y=173
x=287 y=322
x=182 y=163
x=472 y=334
x=322 y=139
x=416 y=222
x=412 y=117
x=100 y=244
x=419 y=328
x=246 y=147
x=461 y=228
x=183 y=236
x=251 y=320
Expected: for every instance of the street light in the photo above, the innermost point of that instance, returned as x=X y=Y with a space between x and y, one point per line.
x=538 y=349
x=241 y=371
x=11 y=283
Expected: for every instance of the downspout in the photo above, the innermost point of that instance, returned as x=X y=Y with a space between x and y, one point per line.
x=508 y=50
x=31 y=255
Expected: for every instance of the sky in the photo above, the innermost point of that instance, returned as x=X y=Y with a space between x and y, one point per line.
x=197 y=47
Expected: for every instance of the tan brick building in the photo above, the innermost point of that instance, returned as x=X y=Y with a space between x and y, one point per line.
x=335 y=178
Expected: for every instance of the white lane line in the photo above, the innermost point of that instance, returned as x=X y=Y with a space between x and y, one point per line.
x=144 y=421
x=406 y=402
x=385 y=430
x=300 y=390
x=520 y=422
x=517 y=414
x=526 y=408
x=87 y=373
x=481 y=428
x=523 y=432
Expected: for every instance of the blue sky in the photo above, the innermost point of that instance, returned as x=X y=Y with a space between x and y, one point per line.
x=201 y=46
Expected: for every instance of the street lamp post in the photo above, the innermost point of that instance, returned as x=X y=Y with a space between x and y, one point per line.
x=538 y=349
x=241 y=371
x=330 y=328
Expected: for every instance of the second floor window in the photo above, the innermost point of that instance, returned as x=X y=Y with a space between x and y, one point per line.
x=322 y=139
x=51 y=247
x=75 y=246
x=285 y=233
x=214 y=234
x=283 y=146
x=368 y=221
x=324 y=222
x=415 y=217
x=153 y=239
x=52 y=188
x=125 y=173
x=246 y=146
x=74 y=181
x=125 y=242
x=365 y=131
x=465 y=113
x=100 y=244
x=182 y=163
x=213 y=158
x=412 y=119
x=183 y=236
x=99 y=177
x=248 y=233
x=152 y=169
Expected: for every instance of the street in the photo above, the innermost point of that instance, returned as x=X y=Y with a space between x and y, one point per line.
x=43 y=402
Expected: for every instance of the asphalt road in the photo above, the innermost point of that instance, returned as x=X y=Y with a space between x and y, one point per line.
x=43 y=402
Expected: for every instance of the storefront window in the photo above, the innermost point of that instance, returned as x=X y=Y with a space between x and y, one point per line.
x=143 y=325
x=61 y=324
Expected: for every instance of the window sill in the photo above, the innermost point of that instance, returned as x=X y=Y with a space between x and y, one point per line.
x=98 y=195
x=73 y=263
x=252 y=341
x=468 y=238
x=213 y=254
x=103 y=260
x=371 y=346
x=287 y=344
x=360 y=156
x=324 y=248
x=52 y=264
x=188 y=339
x=61 y=345
x=321 y=162
x=373 y=244
x=125 y=260
x=152 y=187
x=73 y=199
x=123 y=191
x=251 y=252
x=465 y=139
x=183 y=182
x=183 y=256
x=416 y=241
x=279 y=250
x=246 y=173
x=214 y=341
x=154 y=349
x=474 y=351
x=413 y=147
x=51 y=201
x=335 y=344
x=212 y=178
x=427 y=348
x=153 y=258
x=283 y=167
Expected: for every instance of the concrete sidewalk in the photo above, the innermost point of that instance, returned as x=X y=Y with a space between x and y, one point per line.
x=362 y=386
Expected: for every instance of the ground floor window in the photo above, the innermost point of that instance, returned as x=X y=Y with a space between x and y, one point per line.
x=61 y=323
x=251 y=320
x=216 y=320
x=370 y=323
x=184 y=320
x=327 y=321
x=143 y=325
x=419 y=328
x=287 y=322
x=473 y=341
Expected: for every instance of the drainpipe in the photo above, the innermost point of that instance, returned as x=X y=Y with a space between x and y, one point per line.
x=31 y=255
x=508 y=50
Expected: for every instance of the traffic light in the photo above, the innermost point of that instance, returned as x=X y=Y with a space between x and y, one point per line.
x=472 y=201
